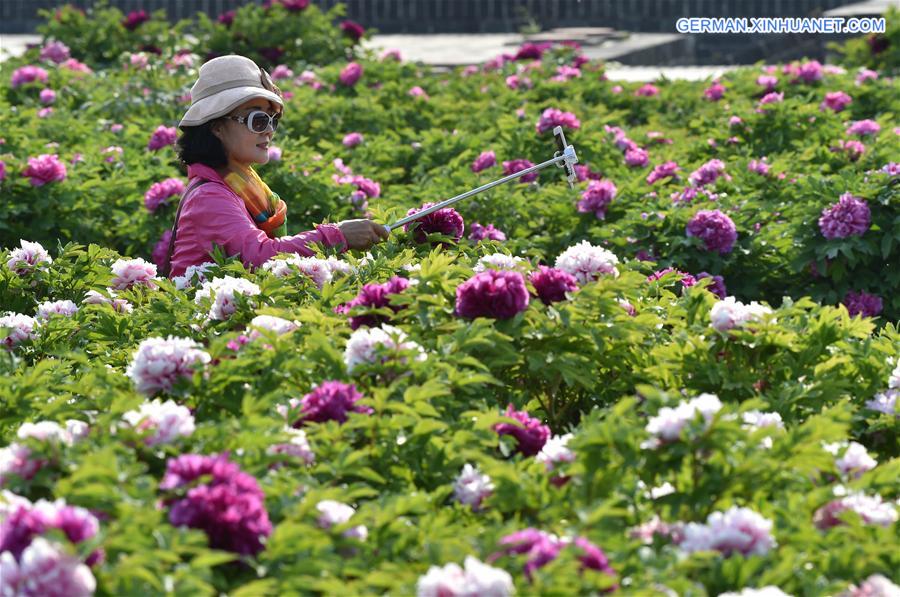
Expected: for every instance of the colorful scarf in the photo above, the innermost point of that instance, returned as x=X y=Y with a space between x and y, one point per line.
x=265 y=206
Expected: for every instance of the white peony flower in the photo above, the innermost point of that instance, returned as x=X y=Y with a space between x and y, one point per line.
x=770 y=591
x=737 y=530
x=29 y=257
x=21 y=328
x=556 y=451
x=319 y=270
x=363 y=342
x=729 y=313
x=166 y=420
x=335 y=513
x=476 y=580
x=159 y=362
x=471 y=487
x=587 y=262
x=187 y=278
x=666 y=426
x=47 y=308
x=498 y=261
x=223 y=291
x=855 y=461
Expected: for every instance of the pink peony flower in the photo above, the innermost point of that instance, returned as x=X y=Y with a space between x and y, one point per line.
x=553 y=117
x=875 y=585
x=47 y=96
x=333 y=513
x=542 y=548
x=492 y=293
x=479 y=233
x=484 y=161
x=282 y=71
x=636 y=157
x=92 y=297
x=45 y=569
x=865 y=75
x=393 y=54
x=298 y=447
x=715 y=229
x=160 y=192
x=811 y=71
x=730 y=313
x=759 y=166
x=647 y=90
x=274 y=153
x=767 y=81
x=229 y=506
x=476 y=579
x=161 y=422
x=28 y=74
x=531 y=434
x=64 y=308
x=418 y=92
x=158 y=363
x=472 y=487
x=223 y=293
x=871 y=509
x=836 y=101
x=28 y=258
x=771 y=98
x=21 y=328
x=587 y=262
x=352 y=139
x=513 y=166
x=863 y=128
x=55 y=51
x=443 y=221
x=76 y=66
x=735 y=531
x=665 y=170
x=850 y=216
x=862 y=304
x=131 y=272
x=597 y=197
x=350 y=74
x=552 y=284
x=320 y=271
x=44 y=169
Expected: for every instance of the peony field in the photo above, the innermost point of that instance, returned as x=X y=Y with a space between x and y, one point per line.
x=678 y=378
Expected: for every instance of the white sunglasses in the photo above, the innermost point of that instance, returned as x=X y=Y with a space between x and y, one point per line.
x=258 y=121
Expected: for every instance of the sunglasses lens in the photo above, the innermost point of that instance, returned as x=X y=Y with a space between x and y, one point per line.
x=259 y=122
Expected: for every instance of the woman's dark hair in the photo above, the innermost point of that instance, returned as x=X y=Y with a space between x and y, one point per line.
x=197 y=144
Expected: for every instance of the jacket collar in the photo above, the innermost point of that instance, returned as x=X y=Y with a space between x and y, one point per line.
x=203 y=171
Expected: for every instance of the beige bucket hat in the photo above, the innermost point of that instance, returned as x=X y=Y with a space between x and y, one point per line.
x=225 y=83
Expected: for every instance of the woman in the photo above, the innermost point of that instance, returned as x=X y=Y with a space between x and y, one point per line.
x=234 y=112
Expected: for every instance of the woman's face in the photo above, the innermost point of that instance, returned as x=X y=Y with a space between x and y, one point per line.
x=242 y=146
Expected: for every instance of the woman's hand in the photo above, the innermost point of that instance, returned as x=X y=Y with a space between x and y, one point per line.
x=362 y=234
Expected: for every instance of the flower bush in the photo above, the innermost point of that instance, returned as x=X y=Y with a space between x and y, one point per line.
x=541 y=402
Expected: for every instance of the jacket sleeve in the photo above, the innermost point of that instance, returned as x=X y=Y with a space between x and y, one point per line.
x=227 y=223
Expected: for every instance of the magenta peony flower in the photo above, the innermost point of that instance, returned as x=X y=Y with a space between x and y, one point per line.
x=836 y=101
x=684 y=279
x=513 y=166
x=160 y=192
x=484 y=161
x=444 y=221
x=499 y=294
x=352 y=139
x=759 y=166
x=771 y=98
x=44 y=169
x=353 y=30
x=479 y=232
x=161 y=248
x=850 y=216
x=863 y=128
x=289 y=5
x=597 y=197
x=665 y=170
x=28 y=74
x=583 y=173
x=872 y=510
x=863 y=304
x=531 y=435
x=329 y=401
x=134 y=19
x=161 y=137
x=717 y=286
x=553 y=117
x=636 y=157
x=531 y=51
x=350 y=74
x=708 y=173
x=551 y=284
x=229 y=506
x=540 y=548
x=715 y=229
x=647 y=90
x=811 y=71
x=714 y=92
x=375 y=296
x=55 y=51
x=2 y=170
x=226 y=18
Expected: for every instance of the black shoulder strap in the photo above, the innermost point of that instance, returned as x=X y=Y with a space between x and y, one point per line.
x=167 y=264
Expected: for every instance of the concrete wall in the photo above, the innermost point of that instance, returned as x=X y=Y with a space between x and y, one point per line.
x=467 y=16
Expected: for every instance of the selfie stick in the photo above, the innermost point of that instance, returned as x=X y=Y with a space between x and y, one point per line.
x=564 y=158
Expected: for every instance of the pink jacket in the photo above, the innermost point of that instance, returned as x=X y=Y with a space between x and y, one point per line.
x=213 y=213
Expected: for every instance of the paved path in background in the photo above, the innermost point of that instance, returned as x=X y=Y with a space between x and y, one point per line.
x=454 y=50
